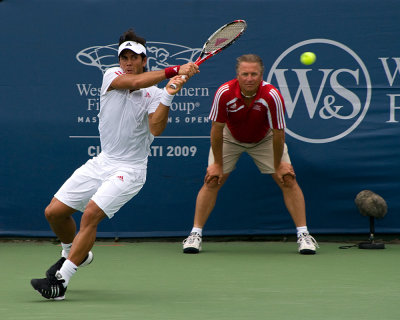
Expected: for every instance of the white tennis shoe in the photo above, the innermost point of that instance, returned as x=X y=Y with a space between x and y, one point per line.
x=88 y=260
x=192 y=244
x=307 y=244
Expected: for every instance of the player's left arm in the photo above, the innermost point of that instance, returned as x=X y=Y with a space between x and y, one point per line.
x=158 y=119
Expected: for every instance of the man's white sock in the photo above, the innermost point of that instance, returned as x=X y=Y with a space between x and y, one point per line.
x=301 y=230
x=198 y=230
x=67 y=270
x=66 y=249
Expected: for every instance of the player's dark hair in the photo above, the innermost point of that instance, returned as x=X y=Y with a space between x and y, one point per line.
x=250 y=58
x=130 y=35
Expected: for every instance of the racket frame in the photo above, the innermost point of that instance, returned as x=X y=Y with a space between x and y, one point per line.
x=207 y=55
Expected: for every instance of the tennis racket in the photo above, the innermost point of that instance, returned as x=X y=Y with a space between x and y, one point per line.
x=220 y=40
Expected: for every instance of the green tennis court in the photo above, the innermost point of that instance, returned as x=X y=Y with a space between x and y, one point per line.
x=228 y=280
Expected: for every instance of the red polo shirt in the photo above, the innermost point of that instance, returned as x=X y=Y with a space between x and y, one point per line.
x=248 y=124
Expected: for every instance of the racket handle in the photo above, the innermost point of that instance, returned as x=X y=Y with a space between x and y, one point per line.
x=173 y=85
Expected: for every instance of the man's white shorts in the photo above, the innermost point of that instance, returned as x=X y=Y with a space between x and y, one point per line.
x=110 y=186
x=261 y=152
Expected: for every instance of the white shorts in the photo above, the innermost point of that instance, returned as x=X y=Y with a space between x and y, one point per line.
x=261 y=152
x=110 y=186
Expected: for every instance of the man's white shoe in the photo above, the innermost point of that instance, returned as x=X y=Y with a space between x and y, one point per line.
x=307 y=244
x=192 y=244
x=88 y=260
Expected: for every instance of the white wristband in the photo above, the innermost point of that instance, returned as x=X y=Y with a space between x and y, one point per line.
x=166 y=98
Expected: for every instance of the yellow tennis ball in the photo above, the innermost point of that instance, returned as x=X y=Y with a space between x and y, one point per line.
x=308 y=58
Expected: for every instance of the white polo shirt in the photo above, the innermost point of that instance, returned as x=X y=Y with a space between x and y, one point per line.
x=123 y=122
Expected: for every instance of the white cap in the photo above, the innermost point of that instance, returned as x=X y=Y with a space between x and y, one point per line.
x=133 y=46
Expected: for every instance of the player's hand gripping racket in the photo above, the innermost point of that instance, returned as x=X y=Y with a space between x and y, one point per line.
x=220 y=40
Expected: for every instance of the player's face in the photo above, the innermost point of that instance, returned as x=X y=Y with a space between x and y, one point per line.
x=249 y=75
x=131 y=62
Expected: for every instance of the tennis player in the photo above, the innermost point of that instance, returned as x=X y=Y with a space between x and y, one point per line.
x=248 y=116
x=132 y=111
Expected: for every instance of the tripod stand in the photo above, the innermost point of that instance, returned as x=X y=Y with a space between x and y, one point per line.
x=371 y=244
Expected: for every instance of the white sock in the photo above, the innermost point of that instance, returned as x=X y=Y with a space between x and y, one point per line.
x=66 y=249
x=301 y=230
x=67 y=270
x=198 y=230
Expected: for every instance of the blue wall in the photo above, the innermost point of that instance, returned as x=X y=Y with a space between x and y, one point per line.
x=343 y=111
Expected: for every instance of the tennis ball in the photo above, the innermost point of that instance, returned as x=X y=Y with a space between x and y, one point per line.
x=308 y=58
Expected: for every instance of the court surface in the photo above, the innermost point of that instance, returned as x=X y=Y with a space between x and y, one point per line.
x=228 y=280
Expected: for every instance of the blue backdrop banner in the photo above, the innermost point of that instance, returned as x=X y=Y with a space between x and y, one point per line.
x=342 y=112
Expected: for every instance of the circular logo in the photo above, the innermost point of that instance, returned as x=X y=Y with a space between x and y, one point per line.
x=324 y=101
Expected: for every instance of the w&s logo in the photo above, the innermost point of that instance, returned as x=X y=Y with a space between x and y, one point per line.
x=326 y=100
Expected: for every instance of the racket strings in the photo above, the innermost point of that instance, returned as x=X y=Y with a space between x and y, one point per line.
x=225 y=36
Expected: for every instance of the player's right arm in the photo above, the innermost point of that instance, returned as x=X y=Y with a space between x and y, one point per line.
x=137 y=81
x=150 y=78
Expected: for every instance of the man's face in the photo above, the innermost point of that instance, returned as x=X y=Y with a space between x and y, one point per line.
x=249 y=75
x=131 y=63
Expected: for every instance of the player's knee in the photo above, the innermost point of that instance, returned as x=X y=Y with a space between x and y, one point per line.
x=50 y=213
x=56 y=211
x=88 y=223
x=92 y=216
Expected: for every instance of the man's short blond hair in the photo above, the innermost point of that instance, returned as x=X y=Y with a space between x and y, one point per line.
x=249 y=58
